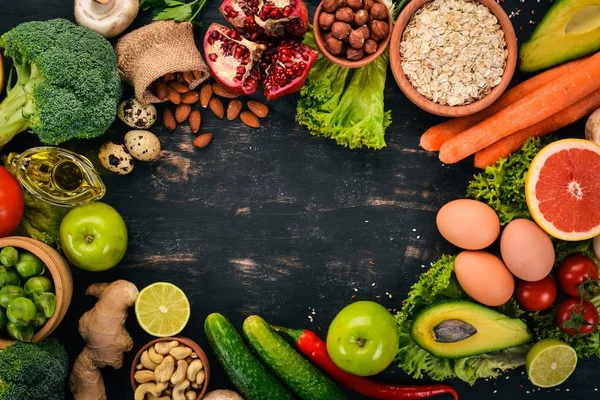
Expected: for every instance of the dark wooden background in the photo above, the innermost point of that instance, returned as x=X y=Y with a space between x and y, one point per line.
x=282 y=224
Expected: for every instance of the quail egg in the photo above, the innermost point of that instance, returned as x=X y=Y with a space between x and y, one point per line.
x=115 y=158
x=142 y=145
x=136 y=114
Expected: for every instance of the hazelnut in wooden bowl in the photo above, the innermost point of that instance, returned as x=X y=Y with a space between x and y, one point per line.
x=56 y=269
x=453 y=57
x=352 y=33
x=175 y=367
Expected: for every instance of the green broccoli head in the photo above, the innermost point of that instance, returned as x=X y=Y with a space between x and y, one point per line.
x=33 y=371
x=67 y=83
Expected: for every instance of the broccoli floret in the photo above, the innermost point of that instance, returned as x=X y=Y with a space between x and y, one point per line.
x=67 y=84
x=33 y=371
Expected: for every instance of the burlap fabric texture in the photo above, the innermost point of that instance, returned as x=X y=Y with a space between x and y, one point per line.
x=155 y=50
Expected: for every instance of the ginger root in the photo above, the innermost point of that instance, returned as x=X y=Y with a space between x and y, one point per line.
x=104 y=332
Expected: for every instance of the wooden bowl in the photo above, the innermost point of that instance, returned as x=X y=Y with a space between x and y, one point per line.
x=453 y=111
x=61 y=275
x=182 y=340
x=343 y=61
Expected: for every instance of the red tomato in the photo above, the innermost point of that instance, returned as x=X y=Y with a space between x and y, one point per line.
x=536 y=296
x=12 y=203
x=574 y=271
x=575 y=316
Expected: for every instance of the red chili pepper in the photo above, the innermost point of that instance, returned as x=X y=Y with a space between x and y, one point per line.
x=309 y=344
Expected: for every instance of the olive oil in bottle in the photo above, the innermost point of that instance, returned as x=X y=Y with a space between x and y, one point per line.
x=57 y=176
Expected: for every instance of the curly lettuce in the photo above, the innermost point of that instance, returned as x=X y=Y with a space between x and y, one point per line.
x=502 y=185
x=437 y=284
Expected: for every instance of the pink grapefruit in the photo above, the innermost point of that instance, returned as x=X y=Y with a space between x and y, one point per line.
x=562 y=189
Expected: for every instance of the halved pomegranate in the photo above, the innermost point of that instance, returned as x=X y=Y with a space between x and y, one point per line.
x=232 y=59
x=273 y=17
x=289 y=69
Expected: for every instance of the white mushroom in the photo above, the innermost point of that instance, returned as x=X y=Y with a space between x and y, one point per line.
x=107 y=17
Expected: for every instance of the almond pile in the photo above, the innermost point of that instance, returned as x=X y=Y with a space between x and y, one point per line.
x=175 y=88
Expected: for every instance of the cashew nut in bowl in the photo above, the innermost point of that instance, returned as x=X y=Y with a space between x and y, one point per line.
x=144 y=376
x=154 y=356
x=147 y=362
x=179 y=374
x=193 y=369
x=164 y=371
x=164 y=347
x=179 y=390
x=180 y=352
x=144 y=389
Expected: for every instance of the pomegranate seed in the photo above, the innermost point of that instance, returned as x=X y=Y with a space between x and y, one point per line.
x=212 y=57
x=241 y=70
x=287 y=11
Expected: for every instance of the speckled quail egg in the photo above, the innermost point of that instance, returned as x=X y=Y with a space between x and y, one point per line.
x=136 y=114
x=142 y=145
x=115 y=158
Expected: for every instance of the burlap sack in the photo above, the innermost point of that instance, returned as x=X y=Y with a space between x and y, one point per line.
x=155 y=50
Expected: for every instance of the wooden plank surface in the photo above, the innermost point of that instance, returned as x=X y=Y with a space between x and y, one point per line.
x=282 y=224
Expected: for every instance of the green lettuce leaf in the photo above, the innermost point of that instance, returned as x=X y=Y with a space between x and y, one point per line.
x=345 y=105
x=502 y=185
x=437 y=284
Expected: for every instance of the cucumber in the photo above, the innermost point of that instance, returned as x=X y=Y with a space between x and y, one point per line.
x=251 y=378
x=293 y=369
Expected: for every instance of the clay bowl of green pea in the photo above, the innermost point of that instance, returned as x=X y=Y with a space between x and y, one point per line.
x=36 y=287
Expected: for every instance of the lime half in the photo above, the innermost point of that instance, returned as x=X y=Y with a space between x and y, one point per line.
x=550 y=362
x=162 y=309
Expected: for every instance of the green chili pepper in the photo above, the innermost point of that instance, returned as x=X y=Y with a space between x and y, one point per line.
x=9 y=256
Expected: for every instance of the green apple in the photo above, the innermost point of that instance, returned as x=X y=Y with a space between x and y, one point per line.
x=363 y=338
x=93 y=237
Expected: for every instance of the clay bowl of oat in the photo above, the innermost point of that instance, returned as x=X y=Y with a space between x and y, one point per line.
x=453 y=57
x=352 y=33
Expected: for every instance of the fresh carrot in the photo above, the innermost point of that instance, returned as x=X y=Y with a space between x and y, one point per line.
x=437 y=135
x=559 y=94
x=505 y=147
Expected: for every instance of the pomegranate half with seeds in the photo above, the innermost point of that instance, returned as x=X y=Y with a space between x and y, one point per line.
x=275 y=18
x=232 y=59
x=289 y=69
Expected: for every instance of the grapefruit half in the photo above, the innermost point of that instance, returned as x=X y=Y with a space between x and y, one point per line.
x=562 y=189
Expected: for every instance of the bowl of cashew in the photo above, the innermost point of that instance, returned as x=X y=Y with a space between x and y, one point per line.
x=171 y=368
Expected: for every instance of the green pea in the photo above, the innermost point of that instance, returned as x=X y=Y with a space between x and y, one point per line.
x=38 y=284
x=9 y=293
x=23 y=333
x=8 y=276
x=29 y=265
x=45 y=302
x=40 y=320
x=3 y=319
x=9 y=256
x=21 y=311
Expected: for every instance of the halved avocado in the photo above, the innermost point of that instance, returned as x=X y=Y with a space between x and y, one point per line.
x=457 y=329
x=569 y=30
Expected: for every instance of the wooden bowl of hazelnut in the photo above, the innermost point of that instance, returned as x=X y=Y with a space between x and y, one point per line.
x=352 y=33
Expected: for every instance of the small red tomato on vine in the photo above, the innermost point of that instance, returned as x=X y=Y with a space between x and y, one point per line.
x=536 y=296
x=578 y=276
x=577 y=317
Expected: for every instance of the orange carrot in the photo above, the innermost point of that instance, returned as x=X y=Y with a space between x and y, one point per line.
x=437 y=135
x=505 y=147
x=559 y=94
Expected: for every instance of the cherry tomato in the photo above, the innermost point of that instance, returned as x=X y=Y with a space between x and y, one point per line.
x=575 y=270
x=12 y=203
x=576 y=317
x=536 y=296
